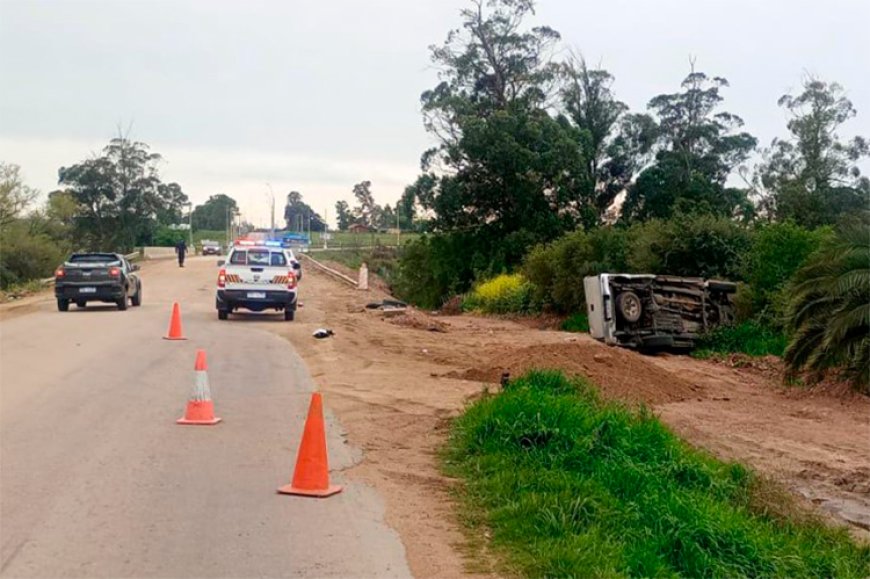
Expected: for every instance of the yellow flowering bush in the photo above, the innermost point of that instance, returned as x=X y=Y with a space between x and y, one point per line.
x=506 y=293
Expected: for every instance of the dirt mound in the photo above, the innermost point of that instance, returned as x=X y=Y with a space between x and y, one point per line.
x=452 y=307
x=619 y=374
x=417 y=320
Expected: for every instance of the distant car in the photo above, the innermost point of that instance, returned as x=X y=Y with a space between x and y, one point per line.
x=652 y=312
x=256 y=277
x=211 y=248
x=97 y=277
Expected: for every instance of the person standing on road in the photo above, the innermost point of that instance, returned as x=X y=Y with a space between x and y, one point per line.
x=181 y=249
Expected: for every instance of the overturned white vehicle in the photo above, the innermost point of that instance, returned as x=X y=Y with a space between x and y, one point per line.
x=653 y=312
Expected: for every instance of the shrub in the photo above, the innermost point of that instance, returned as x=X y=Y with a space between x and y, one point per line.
x=689 y=245
x=501 y=295
x=750 y=337
x=556 y=270
x=778 y=250
x=25 y=256
x=829 y=313
x=165 y=237
x=569 y=485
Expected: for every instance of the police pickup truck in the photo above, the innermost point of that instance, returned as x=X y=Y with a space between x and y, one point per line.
x=257 y=276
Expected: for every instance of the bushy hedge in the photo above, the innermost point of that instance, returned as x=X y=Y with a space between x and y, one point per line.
x=501 y=295
x=27 y=255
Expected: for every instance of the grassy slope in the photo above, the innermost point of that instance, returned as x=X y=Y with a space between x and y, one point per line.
x=572 y=486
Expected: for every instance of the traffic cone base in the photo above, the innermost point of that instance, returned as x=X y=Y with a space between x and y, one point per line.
x=321 y=493
x=199 y=412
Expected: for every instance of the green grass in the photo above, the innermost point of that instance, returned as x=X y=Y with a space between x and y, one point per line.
x=578 y=322
x=570 y=486
x=346 y=239
x=380 y=260
x=749 y=338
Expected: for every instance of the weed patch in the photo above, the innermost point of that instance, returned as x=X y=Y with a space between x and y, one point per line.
x=572 y=486
x=749 y=338
x=576 y=323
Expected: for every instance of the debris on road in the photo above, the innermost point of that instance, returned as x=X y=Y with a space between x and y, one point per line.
x=321 y=333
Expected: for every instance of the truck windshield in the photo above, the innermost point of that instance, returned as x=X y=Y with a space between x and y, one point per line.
x=259 y=258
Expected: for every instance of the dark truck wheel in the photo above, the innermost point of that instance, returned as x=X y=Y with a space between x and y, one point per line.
x=223 y=314
x=122 y=303
x=289 y=315
x=629 y=306
x=136 y=300
x=62 y=305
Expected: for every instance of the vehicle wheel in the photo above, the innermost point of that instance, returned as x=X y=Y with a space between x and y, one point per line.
x=81 y=304
x=629 y=306
x=62 y=305
x=136 y=300
x=223 y=314
x=122 y=303
x=289 y=315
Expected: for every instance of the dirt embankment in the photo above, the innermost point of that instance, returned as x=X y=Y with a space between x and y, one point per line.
x=394 y=381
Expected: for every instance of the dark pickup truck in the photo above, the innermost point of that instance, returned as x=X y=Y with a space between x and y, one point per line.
x=97 y=277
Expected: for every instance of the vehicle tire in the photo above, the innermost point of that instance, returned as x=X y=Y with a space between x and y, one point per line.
x=289 y=315
x=629 y=306
x=223 y=314
x=81 y=305
x=62 y=305
x=122 y=303
x=136 y=300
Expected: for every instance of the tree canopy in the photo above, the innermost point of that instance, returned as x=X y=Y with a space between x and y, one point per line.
x=299 y=216
x=120 y=198
x=214 y=213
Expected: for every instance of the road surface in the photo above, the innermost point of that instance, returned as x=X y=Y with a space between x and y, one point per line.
x=97 y=480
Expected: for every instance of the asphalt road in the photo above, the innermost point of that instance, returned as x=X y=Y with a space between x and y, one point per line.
x=97 y=480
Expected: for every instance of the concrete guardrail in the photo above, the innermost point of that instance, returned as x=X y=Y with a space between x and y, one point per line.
x=328 y=270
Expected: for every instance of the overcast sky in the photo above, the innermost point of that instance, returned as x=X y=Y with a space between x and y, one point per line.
x=316 y=96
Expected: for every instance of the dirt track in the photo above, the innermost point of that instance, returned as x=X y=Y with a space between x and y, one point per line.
x=392 y=382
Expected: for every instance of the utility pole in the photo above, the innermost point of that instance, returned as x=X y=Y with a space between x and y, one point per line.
x=190 y=223
x=272 y=194
x=398 y=228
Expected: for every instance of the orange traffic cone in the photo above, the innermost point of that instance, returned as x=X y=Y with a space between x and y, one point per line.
x=200 y=408
x=311 y=477
x=175 y=324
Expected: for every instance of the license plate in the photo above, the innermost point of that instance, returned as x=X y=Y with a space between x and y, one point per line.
x=87 y=290
x=257 y=295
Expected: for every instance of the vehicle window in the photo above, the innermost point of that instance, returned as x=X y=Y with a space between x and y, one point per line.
x=94 y=258
x=239 y=257
x=258 y=257
x=278 y=259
